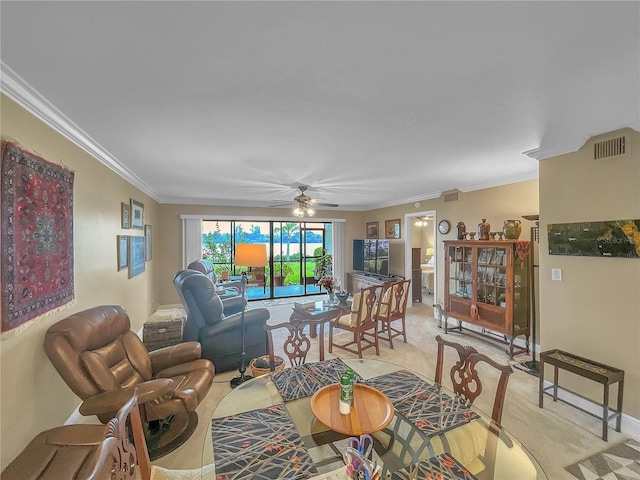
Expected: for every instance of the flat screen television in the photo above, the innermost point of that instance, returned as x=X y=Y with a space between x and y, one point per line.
x=371 y=256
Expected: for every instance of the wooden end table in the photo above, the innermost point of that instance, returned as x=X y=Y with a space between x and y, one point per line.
x=586 y=368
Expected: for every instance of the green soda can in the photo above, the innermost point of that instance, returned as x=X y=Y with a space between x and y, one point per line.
x=345 y=394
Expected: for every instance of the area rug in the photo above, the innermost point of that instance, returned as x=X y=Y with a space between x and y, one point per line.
x=37 y=237
x=618 y=462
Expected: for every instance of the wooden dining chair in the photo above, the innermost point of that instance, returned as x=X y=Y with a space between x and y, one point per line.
x=258 y=278
x=361 y=321
x=117 y=457
x=393 y=308
x=465 y=379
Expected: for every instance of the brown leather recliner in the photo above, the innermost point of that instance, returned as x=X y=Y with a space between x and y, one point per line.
x=102 y=360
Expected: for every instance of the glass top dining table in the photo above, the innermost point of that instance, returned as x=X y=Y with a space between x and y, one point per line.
x=265 y=428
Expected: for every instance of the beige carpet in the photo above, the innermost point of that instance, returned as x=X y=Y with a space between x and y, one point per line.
x=557 y=435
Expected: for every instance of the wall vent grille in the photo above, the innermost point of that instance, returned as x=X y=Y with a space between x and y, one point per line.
x=451 y=197
x=609 y=148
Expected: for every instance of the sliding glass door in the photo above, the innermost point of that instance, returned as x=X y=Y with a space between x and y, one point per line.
x=292 y=248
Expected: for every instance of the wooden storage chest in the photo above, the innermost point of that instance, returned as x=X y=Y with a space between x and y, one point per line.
x=163 y=329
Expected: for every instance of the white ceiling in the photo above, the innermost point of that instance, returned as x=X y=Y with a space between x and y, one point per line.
x=369 y=103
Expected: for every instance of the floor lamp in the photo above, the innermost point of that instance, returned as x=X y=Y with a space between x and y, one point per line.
x=535 y=236
x=247 y=255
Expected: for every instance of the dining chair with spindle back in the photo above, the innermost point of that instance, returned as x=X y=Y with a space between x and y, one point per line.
x=361 y=321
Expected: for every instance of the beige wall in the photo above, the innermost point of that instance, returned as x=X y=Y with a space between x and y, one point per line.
x=169 y=242
x=495 y=204
x=33 y=396
x=594 y=311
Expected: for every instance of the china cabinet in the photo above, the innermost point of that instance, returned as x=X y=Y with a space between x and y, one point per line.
x=487 y=285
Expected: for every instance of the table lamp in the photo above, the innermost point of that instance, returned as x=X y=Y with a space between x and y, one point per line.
x=247 y=255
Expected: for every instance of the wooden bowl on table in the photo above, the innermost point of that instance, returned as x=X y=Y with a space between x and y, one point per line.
x=372 y=410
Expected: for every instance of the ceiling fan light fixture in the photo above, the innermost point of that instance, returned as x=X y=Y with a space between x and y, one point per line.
x=421 y=222
x=304 y=211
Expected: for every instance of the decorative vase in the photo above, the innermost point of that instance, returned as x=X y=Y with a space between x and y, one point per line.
x=483 y=230
x=342 y=298
x=462 y=231
x=512 y=229
x=332 y=299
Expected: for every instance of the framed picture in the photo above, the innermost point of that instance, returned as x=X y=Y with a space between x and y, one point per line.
x=372 y=229
x=136 y=256
x=123 y=251
x=392 y=228
x=126 y=215
x=137 y=214
x=147 y=243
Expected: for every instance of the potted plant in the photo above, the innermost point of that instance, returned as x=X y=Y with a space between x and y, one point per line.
x=280 y=272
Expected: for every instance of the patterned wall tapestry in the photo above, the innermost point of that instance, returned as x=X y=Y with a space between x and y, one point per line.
x=37 y=237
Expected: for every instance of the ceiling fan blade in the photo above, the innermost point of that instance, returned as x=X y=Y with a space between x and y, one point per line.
x=282 y=205
x=318 y=204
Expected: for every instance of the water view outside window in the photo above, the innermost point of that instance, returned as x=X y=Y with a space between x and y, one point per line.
x=292 y=248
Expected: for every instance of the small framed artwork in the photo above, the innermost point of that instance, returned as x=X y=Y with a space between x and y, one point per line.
x=123 y=251
x=136 y=256
x=137 y=214
x=147 y=243
x=372 y=229
x=392 y=228
x=125 y=214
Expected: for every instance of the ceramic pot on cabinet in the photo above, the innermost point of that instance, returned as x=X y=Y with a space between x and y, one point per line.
x=512 y=229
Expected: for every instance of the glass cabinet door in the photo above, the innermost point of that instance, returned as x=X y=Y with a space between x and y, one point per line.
x=491 y=276
x=460 y=272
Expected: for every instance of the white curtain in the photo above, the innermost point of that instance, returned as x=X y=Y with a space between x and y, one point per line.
x=191 y=240
x=338 y=253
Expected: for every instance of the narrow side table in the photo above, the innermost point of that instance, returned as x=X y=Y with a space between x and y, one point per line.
x=586 y=368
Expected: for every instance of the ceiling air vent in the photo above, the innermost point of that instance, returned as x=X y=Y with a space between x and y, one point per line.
x=609 y=148
x=451 y=197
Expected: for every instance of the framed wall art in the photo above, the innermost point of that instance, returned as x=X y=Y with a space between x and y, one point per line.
x=137 y=214
x=136 y=256
x=125 y=213
x=147 y=243
x=372 y=229
x=392 y=228
x=123 y=251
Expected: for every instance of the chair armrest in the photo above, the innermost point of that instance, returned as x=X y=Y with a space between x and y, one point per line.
x=233 y=305
x=235 y=284
x=252 y=318
x=113 y=400
x=174 y=355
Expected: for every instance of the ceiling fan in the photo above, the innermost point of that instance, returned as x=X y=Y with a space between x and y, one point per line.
x=304 y=204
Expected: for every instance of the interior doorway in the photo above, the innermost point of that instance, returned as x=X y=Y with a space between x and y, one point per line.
x=420 y=256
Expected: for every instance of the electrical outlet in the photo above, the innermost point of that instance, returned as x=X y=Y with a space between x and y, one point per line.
x=556 y=274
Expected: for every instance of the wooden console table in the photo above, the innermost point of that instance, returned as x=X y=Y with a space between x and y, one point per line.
x=584 y=367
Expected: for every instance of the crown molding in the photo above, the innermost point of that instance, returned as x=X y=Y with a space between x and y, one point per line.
x=14 y=87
